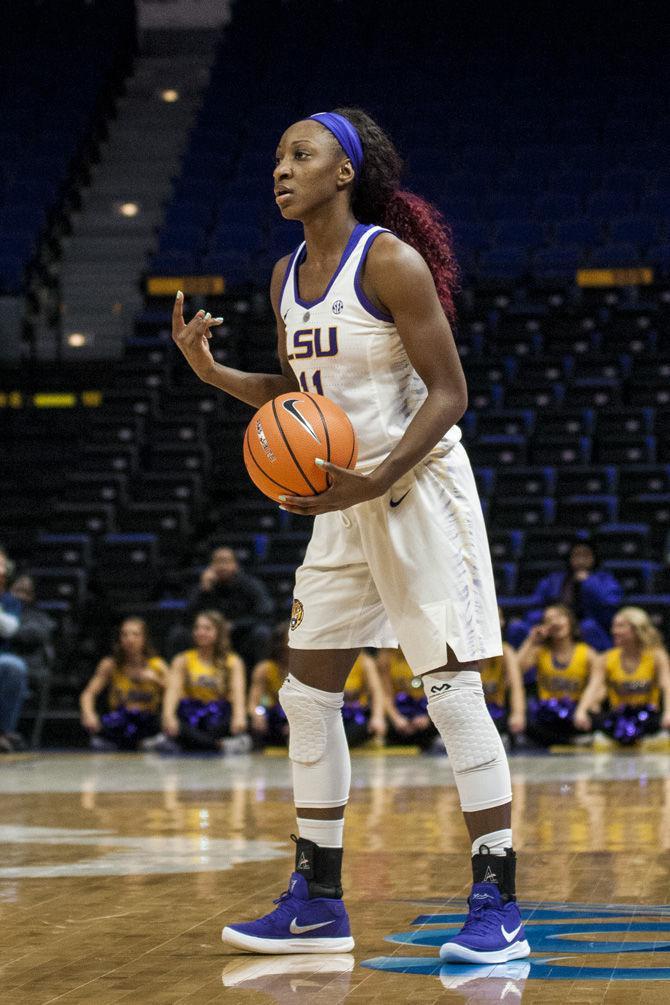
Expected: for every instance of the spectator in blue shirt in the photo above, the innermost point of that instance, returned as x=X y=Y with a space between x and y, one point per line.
x=593 y=595
x=13 y=670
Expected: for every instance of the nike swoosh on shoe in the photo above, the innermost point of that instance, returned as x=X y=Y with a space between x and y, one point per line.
x=509 y=936
x=296 y=929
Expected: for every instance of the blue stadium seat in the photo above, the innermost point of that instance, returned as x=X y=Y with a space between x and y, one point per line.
x=499 y=450
x=557 y=265
x=506 y=545
x=504 y=577
x=591 y=479
x=587 y=510
x=506 y=422
x=547 y=544
x=564 y=423
x=522 y=512
x=626 y=450
x=503 y=264
x=623 y=541
x=620 y=255
x=634 y=576
x=560 y=450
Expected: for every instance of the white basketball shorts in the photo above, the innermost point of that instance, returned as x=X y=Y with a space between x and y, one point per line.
x=411 y=567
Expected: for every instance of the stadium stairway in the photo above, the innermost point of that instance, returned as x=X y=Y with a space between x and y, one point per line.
x=103 y=259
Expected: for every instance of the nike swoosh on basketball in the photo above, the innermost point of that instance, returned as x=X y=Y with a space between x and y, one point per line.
x=396 y=502
x=297 y=929
x=290 y=406
x=508 y=935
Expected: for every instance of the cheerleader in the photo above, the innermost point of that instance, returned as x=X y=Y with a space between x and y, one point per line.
x=406 y=704
x=267 y=720
x=134 y=677
x=504 y=693
x=632 y=677
x=563 y=666
x=364 y=704
x=204 y=704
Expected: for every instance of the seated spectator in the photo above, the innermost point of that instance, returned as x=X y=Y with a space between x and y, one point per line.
x=627 y=683
x=205 y=699
x=135 y=678
x=406 y=703
x=563 y=664
x=241 y=598
x=592 y=594
x=13 y=670
x=268 y=722
x=503 y=690
x=34 y=634
x=364 y=704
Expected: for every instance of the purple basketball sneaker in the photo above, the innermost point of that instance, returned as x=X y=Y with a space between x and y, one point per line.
x=493 y=931
x=299 y=924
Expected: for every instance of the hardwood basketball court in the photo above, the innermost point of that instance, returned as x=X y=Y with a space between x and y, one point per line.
x=118 y=873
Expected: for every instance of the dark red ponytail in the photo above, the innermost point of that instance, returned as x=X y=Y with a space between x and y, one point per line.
x=421 y=225
x=378 y=198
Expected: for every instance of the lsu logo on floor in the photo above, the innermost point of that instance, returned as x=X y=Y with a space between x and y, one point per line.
x=566 y=940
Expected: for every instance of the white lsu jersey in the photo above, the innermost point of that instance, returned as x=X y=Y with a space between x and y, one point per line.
x=344 y=347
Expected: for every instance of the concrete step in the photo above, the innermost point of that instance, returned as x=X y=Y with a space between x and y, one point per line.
x=96 y=202
x=114 y=225
x=100 y=248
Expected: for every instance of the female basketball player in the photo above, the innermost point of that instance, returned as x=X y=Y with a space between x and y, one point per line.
x=135 y=677
x=399 y=550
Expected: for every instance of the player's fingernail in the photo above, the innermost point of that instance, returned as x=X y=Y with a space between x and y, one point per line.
x=218 y=320
x=284 y=508
x=180 y=295
x=201 y=314
x=207 y=316
x=319 y=462
x=282 y=498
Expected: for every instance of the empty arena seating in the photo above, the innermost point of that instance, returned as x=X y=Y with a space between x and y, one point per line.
x=542 y=172
x=50 y=121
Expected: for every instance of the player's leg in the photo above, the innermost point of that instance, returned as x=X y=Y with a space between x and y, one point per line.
x=493 y=932
x=431 y=563
x=310 y=916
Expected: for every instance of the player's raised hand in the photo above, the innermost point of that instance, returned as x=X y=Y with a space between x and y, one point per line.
x=193 y=338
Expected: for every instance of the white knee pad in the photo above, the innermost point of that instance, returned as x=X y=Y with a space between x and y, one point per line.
x=317 y=744
x=457 y=707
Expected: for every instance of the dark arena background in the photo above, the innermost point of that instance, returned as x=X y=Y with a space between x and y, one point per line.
x=137 y=145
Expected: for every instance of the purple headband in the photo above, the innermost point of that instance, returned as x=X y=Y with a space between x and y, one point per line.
x=345 y=134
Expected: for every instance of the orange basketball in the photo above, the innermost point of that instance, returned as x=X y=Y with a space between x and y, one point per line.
x=286 y=436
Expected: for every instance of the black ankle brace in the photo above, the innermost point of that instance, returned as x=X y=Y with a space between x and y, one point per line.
x=498 y=869
x=321 y=867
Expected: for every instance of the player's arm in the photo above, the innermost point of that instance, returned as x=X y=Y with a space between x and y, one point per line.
x=662 y=666
x=174 y=691
x=402 y=284
x=97 y=684
x=238 y=688
x=253 y=388
x=593 y=694
x=517 y=695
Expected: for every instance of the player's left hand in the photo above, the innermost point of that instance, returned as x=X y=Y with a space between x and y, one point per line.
x=347 y=488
